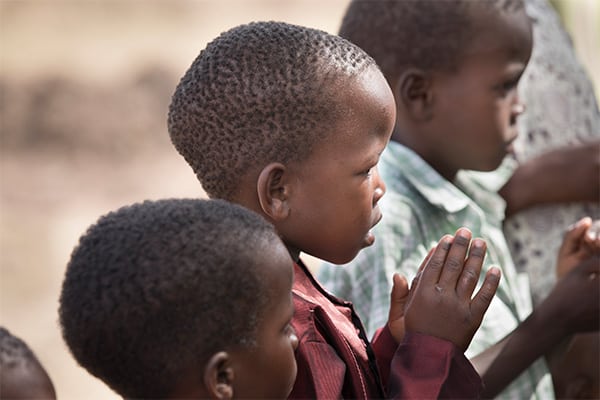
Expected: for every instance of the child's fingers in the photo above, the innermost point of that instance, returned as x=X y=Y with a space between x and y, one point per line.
x=484 y=296
x=590 y=266
x=415 y=280
x=470 y=274
x=398 y=300
x=426 y=260
x=431 y=272
x=592 y=236
x=574 y=235
x=398 y=296
x=455 y=260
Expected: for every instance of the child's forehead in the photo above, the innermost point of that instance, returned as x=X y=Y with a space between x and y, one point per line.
x=364 y=108
x=26 y=380
x=499 y=28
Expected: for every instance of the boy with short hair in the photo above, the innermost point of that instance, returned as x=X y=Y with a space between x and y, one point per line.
x=453 y=67
x=290 y=122
x=182 y=298
x=22 y=376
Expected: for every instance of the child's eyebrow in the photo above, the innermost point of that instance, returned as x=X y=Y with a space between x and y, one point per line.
x=515 y=71
x=516 y=66
x=372 y=159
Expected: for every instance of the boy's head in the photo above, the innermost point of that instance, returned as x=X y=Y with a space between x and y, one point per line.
x=453 y=66
x=21 y=374
x=288 y=121
x=182 y=298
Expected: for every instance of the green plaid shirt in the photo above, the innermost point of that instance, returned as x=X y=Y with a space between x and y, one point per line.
x=419 y=207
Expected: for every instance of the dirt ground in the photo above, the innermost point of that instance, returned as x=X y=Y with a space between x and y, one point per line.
x=84 y=89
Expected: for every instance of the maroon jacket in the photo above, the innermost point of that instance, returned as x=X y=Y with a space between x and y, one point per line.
x=336 y=360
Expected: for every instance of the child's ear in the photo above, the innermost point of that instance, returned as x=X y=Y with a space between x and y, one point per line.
x=218 y=376
x=273 y=191
x=414 y=93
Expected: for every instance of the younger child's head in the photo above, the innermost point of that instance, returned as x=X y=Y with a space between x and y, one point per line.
x=22 y=376
x=453 y=66
x=290 y=122
x=182 y=299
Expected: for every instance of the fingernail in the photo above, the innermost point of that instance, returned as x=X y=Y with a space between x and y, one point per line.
x=477 y=247
x=477 y=243
x=496 y=272
x=463 y=233
x=448 y=242
x=463 y=237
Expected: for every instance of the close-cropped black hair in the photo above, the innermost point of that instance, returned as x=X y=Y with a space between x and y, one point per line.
x=427 y=34
x=259 y=93
x=14 y=352
x=156 y=288
x=21 y=372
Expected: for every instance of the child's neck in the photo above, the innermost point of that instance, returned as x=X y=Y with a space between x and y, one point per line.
x=445 y=171
x=294 y=252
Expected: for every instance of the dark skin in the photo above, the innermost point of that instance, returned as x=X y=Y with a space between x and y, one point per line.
x=548 y=178
x=453 y=288
x=465 y=120
x=575 y=369
x=29 y=381
x=536 y=336
x=266 y=370
x=441 y=302
x=573 y=383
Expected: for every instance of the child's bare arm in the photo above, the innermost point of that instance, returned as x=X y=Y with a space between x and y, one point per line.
x=440 y=302
x=572 y=307
x=548 y=178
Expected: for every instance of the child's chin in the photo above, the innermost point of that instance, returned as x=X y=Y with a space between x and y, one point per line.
x=369 y=239
x=346 y=258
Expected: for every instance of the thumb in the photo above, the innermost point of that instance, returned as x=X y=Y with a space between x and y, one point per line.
x=398 y=300
x=592 y=237
x=573 y=237
x=571 y=247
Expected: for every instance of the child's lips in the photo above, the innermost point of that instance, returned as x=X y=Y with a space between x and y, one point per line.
x=377 y=219
x=510 y=148
x=370 y=237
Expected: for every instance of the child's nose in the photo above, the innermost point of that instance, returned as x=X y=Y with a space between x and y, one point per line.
x=294 y=339
x=516 y=109
x=379 y=187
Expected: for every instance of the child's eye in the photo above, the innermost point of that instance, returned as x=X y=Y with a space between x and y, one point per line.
x=367 y=172
x=507 y=86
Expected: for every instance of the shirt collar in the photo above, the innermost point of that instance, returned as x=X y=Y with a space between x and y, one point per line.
x=401 y=162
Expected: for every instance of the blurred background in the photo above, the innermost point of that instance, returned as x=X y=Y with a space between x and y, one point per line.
x=84 y=91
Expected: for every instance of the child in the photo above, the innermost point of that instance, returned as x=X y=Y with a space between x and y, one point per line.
x=290 y=122
x=454 y=67
x=559 y=138
x=182 y=299
x=21 y=374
